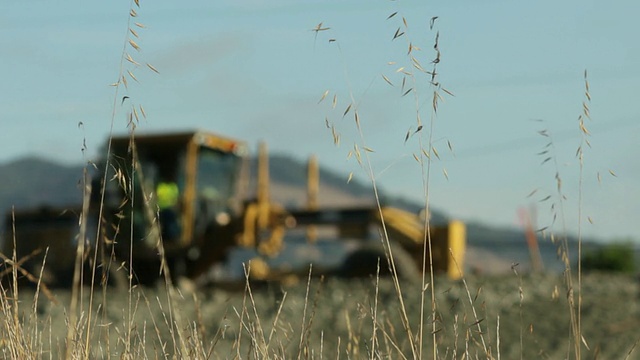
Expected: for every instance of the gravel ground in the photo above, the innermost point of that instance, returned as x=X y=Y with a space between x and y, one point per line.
x=509 y=315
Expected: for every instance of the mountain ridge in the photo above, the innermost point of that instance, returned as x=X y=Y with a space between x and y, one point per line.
x=32 y=182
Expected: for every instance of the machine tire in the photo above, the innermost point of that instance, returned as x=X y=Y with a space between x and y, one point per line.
x=146 y=272
x=363 y=262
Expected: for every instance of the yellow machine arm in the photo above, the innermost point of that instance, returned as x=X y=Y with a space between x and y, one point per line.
x=447 y=242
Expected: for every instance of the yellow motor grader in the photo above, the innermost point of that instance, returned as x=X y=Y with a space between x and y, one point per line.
x=122 y=226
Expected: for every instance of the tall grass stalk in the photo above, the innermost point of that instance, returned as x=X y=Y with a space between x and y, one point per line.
x=574 y=300
x=427 y=247
x=550 y=155
x=584 y=141
x=368 y=168
x=425 y=158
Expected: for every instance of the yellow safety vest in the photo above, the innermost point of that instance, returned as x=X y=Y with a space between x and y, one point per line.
x=167 y=194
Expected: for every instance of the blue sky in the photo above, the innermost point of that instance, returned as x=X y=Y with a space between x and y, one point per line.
x=254 y=70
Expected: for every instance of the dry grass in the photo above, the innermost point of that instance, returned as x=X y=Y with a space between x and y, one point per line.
x=483 y=317
x=322 y=318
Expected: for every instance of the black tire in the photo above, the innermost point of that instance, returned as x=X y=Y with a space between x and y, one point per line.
x=146 y=272
x=363 y=262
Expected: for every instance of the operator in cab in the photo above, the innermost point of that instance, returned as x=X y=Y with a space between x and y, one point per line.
x=168 y=196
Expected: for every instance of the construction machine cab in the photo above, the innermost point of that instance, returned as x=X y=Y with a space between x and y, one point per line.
x=202 y=172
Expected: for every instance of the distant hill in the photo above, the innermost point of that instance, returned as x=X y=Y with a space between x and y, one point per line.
x=31 y=182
